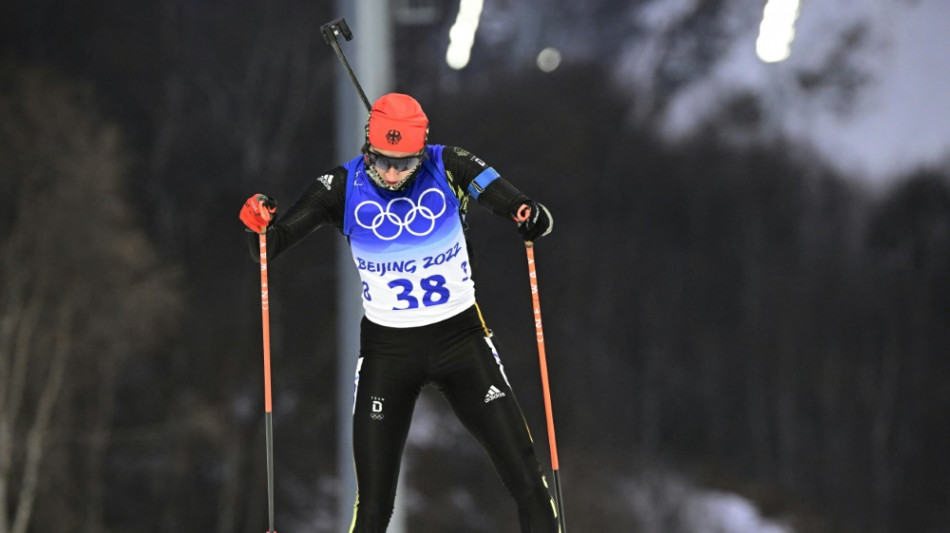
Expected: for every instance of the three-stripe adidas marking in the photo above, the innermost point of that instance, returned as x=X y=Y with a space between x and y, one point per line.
x=493 y=394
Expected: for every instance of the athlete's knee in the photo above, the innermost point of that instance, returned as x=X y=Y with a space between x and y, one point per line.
x=539 y=514
x=524 y=478
x=371 y=519
x=536 y=506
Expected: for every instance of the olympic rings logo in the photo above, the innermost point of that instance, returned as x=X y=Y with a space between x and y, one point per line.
x=402 y=214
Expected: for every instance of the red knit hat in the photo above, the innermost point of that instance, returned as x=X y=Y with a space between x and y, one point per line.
x=397 y=123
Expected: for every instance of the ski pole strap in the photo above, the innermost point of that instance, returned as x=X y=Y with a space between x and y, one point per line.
x=482 y=181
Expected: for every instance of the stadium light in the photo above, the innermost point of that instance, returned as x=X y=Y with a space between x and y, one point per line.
x=462 y=34
x=777 y=30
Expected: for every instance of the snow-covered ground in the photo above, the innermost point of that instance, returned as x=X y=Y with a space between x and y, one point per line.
x=669 y=503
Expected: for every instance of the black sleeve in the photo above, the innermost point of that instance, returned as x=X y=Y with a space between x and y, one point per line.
x=500 y=196
x=320 y=204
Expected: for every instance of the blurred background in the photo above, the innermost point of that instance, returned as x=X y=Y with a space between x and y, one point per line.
x=746 y=296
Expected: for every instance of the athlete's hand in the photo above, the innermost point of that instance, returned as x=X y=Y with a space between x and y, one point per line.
x=534 y=221
x=257 y=213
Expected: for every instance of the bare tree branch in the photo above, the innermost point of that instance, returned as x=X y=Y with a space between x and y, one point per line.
x=36 y=438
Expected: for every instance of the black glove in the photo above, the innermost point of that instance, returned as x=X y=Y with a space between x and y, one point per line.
x=534 y=220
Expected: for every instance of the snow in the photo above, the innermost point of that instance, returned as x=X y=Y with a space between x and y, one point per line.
x=904 y=117
x=885 y=111
x=667 y=503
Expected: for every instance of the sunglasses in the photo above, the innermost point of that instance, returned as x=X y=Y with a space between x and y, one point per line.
x=384 y=163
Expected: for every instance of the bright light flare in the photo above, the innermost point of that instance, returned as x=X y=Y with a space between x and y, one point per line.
x=777 y=30
x=549 y=59
x=462 y=34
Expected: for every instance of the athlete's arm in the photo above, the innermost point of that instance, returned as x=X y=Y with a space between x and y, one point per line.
x=320 y=204
x=482 y=182
x=472 y=176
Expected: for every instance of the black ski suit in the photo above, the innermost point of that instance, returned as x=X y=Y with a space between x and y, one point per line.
x=422 y=326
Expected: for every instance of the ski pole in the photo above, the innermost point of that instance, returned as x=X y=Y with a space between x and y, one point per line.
x=268 y=416
x=329 y=31
x=533 y=278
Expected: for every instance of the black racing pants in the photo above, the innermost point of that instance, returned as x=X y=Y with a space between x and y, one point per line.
x=456 y=356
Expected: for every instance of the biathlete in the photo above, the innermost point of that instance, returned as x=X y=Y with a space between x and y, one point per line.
x=401 y=205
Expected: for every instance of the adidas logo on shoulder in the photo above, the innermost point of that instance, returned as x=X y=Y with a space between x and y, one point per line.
x=326 y=180
x=493 y=394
